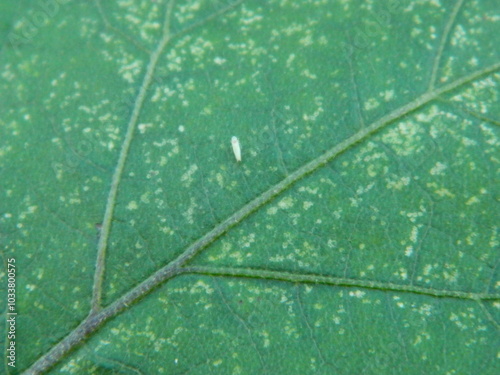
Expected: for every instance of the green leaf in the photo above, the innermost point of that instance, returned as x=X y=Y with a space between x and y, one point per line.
x=358 y=235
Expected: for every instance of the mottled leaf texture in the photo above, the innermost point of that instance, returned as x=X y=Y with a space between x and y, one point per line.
x=359 y=233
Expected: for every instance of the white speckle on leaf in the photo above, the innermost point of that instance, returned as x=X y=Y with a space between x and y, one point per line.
x=30 y=287
x=201 y=286
x=397 y=184
x=132 y=205
x=272 y=210
x=371 y=104
x=388 y=95
x=307 y=205
x=286 y=203
x=472 y=200
x=290 y=60
x=188 y=214
x=145 y=198
x=414 y=234
x=309 y=190
x=130 y=71
x=318 y=101
x=220 y=179
x=187 y=177
x=357 y=293
x=267 y=341
x=438 y=169
x=219 y=60
x=162 y=143
x=307 y=73
x=450 y=273
x=306 y=41
x=459 y=37
x=402 y=273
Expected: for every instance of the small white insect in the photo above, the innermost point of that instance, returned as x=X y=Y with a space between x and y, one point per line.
x=236 y=148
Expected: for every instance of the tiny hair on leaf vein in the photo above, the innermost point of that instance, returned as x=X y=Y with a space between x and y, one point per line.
x=236 y=148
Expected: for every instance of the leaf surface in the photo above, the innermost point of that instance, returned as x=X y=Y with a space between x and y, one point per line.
x=359 y=233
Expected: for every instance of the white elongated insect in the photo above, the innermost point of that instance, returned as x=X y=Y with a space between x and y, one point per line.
x=236 y=148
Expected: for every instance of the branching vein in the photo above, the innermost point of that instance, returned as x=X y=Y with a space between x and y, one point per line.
x=337 y=281
x=442 y=43
x=120 y=165
x=174 y=268
x=99 y=316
